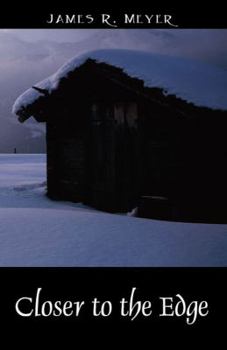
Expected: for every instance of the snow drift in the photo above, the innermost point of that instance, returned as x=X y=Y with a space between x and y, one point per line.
x=35 y=231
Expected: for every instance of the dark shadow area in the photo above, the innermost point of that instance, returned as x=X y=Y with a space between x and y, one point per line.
x=114 y=144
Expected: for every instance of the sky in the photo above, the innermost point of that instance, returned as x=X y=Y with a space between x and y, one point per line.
x=207 y=44
x=58 y=35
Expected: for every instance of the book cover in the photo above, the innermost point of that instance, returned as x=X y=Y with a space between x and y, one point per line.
x=113 y=168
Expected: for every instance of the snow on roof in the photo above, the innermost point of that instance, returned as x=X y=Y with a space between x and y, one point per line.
x=196 y=82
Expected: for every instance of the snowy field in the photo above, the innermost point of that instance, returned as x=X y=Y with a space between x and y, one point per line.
x=35 y=231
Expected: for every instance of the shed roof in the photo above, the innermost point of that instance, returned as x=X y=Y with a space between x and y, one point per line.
x=198 y=83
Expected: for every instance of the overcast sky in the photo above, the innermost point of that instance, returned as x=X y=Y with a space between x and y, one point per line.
x=209 y=45
x=58 y=35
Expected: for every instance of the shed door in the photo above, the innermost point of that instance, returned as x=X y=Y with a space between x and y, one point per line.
x=114 y=156
x=102 y=157
x=127 y=154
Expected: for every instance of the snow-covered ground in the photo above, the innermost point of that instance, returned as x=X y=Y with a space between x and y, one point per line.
x=35 y=231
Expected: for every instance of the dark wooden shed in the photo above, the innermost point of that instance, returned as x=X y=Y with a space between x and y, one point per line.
x=114 y=144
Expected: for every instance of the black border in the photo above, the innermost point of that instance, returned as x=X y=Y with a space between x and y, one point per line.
x=111 y=283
x=187 y=15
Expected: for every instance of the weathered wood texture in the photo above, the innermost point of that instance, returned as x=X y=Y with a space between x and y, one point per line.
x=113 y=144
